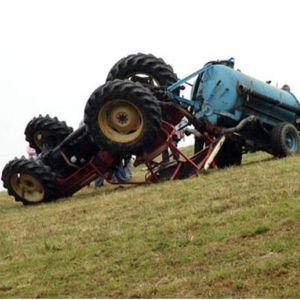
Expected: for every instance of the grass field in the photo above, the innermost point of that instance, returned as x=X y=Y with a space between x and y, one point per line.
x=229 y=233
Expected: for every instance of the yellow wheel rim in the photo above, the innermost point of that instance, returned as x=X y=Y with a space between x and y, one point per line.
x=27 y=187
x=120 y=121
x=38 y=139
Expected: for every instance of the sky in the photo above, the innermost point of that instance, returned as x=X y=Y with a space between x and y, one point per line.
x=54 y=54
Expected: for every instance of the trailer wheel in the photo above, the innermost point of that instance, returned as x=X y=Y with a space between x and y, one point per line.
x=285 y=139
x=230 y=154
x=29 y=182
x=46 y=132
x=122 y=117
x=151 y=72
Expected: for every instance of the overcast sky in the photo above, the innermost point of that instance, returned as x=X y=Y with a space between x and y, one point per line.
x=53 y=54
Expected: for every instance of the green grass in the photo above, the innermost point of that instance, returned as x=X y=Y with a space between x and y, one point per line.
x=229 y=233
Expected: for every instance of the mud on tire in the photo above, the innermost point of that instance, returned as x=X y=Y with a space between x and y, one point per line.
x=122 y=117
x=29 y=182
x=46 y=132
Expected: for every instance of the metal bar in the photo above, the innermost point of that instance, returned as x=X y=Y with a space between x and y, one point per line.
x=189 y=84
x=181 y=100
x=214 y=153
x=151 y=170
x=176 y=171
x=126 y=182
x=67 y=160
x=177 y=84
x=184 y=156
x=75 y=183
x=203 y=161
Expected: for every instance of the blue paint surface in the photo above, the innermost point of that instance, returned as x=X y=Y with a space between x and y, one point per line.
x=218 y=92
x=216 y=96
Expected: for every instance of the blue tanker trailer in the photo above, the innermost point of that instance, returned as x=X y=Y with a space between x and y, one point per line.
x=257 y=115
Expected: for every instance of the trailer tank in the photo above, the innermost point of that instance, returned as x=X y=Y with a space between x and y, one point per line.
x=226 y=93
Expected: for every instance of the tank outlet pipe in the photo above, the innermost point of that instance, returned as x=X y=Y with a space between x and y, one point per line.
x=240 y=126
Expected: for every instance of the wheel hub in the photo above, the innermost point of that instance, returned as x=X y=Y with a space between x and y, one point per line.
x=38 y=138
x=122 y=118
x=27 y=187
x=120 y=121
x=291 y=142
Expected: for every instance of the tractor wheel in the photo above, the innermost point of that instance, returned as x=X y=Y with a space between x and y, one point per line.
x=144 y=68
x=29 y=182
x=285 y=139
x=230 y=154
x=46 y=132
x=122 y=117
x=149 y=71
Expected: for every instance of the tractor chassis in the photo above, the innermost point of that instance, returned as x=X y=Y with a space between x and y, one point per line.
x=182 y=166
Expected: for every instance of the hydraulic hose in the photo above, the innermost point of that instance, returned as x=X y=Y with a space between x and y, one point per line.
x=240 y=126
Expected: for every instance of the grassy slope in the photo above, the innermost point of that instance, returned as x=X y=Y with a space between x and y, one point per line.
x=230 y=233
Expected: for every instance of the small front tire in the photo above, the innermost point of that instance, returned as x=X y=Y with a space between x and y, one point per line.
x=46 y=133
x=29 y=182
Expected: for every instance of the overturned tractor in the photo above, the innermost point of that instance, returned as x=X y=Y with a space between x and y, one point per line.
x=136 y=113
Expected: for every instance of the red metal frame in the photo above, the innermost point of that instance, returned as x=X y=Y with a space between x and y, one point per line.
x=103 y=163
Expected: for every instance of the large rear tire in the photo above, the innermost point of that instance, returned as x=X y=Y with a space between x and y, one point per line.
x=122 y=117
x=285 y=139
x=44 y=133
x=151 y=72
x=29 y=182
x=144 y=68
